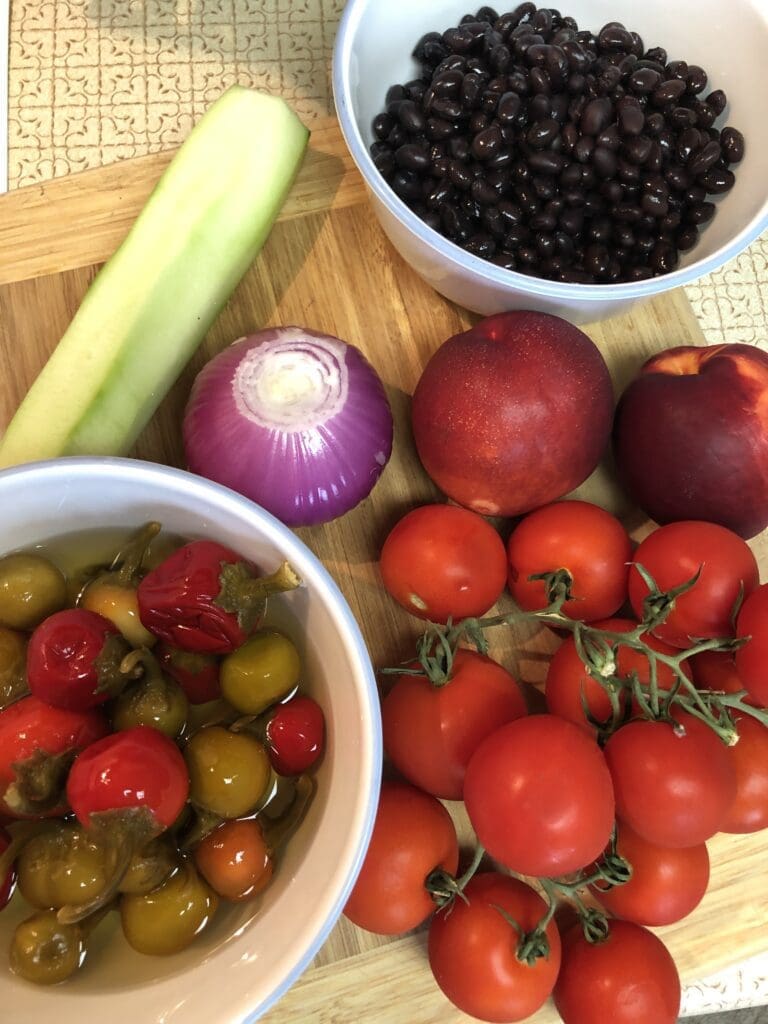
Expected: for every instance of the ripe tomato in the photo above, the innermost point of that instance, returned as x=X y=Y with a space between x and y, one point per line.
x=674 y=790
x=716 y=670
x=673 y=554
x=430 y=732
x=295 y=735
x=413 y=834
x=751 y=659
x=749 y=810
x=539 y=796
x=584 y=539
x=568 y=679
x=666 y=884
x=630 y=978
x=472 y=950
x=442 y=561
x=33 y=734
x=73 y=659
x=138 y=767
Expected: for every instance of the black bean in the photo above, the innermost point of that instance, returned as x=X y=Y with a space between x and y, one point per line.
x=604 y=162
x=459 y=175
x=597 y=259
x=451 y=63
x=406 y=184
x=614 y=37
x=656 y=53
x=544 y=186
x=654 y=123
x=687 y=237
x=574 y=197
x=483 y=193
x=677 y=177
x=502 y=159
x=385 y=162
x=510 y=213
x=439 y=166
x=682 y=117
x=582 y=151
x=644 y=80
x=663 y=258
x=539 y=81
x=572 y=220
x=508 y=107
x=413 y=157
x=596 y=116
x=415 y=90
x=627 y=212
x=436 y=129
x=559 y=107
x=653 y=204
x=688 y=141
x=670 y=221
x=576 y=56
x=608 y=79
x=480 y=245
x=717 y=100
x=397 y=136
x=542 y=21
x=447 y=108
x=717 y=180
x=458 y=147
x=395 y=93
x=458 y=40
x=487 y=143
x=526 y=254
x=631 y=119
x=636 y=149
x=546 y=162
x=703 y=159
x=542 y=133
x=569 y=136
x=478 y=122
x=471 y=90
x=677 y=69
x=410 y=117
x=696 y=79
x=557 y=66
x=668 y=92
x=732 y=142
x=521 y=171
x=493 y=221
x=527 y=200
x=609 y=138
x=628 y=172
x=701 y=213
x=448 y=84
x=705 y=115
x=539 y=108
x=489 y=101
x=600 y=230
x=594 y=204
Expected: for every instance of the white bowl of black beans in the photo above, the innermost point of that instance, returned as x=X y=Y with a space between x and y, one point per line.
x=526 y=157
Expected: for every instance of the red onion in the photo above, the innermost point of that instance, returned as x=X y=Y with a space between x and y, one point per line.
x=297 y=421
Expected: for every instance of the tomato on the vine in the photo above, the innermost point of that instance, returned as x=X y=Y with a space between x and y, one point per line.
x=748 y=811
x=590 y=543
x=568 y=679
x=752 y=658
x=539 y=795
x=628 y=978
x=473 y=950
x=413 y=835
x=431 y=731
x=716 y=670
x=674 y=785
x=442 y=561
x=673 y=554
x=666 y=884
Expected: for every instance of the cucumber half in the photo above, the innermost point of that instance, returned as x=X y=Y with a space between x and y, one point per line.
x=152 y=303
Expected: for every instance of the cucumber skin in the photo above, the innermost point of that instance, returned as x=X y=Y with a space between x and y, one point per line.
x=152 y=303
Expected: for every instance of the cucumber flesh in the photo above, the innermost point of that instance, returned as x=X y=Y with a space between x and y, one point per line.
x=152 y=303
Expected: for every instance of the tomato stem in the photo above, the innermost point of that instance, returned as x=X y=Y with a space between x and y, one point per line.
x=444 y=887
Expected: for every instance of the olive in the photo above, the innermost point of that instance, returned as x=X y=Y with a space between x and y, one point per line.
x=167 y=919
x=260 y=672
x=229 y=772
x=45 y=951
x=120 y=605
x=149 y=868
x=159 y=703
x=63 y=865
x=31 y=589
x=13 y=655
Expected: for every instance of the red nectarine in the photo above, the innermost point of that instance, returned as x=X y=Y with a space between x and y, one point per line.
x=691 y=436
x=513 y=413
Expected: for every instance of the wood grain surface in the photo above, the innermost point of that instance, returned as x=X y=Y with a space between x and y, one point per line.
x=328 y=266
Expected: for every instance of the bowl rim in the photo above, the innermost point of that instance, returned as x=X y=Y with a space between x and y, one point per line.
x=67 y=470
x=462 y=260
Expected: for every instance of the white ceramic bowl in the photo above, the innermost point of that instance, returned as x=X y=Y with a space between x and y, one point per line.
x=729 y=40
x=251 y=954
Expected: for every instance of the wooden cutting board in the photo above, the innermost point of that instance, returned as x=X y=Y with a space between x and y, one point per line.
x=328 y=266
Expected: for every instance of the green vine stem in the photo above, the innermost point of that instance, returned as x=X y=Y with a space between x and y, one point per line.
x=444 y=887
x=597 y=648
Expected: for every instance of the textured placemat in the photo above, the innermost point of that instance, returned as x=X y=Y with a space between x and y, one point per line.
x=94 y=81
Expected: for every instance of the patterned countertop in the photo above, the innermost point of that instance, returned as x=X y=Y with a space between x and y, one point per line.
x=94 y=81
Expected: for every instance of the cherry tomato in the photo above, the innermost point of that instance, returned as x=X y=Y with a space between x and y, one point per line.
x=413 y=835
x=169 y=918
x=539 y=796
x=235 y=860
x=442 y=561
x=673 y=789
x=568 y=679
x=73 y=659
x=196 y=674
x=430 y=732
x=139 y=767
x=752 y=658
x=205 y=598
x=34 y=736
x=627 y=979
x=716 y=670
x=666 y=884
x=295 y=735
x=7 y=883
x=584 y=539
x=673 y=554
x=749 y=810
x=473 y=950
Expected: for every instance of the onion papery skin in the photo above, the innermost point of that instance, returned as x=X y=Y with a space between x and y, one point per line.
x=295 y=420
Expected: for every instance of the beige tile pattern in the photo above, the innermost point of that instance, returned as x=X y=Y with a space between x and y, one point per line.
x=92 y=81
